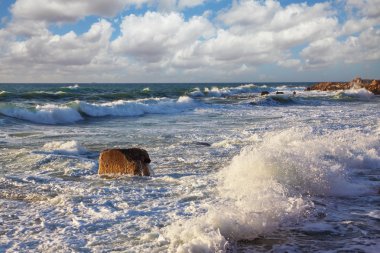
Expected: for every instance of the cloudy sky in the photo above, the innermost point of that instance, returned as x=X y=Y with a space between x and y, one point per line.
x=188 y=40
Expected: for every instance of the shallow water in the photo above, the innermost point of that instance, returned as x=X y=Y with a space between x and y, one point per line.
x=234 y=171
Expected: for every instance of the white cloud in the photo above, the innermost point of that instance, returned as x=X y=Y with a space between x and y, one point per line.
x=322 y=52
x=65 y=10
x=189 y=3
x=50 y=53
x=249 y=14
x=290 y=24
x=164 y=45
x=329 y=51
x=367 y=8
x=362 y=14
x=154 y=36
x=264 y=32
x=289 y=63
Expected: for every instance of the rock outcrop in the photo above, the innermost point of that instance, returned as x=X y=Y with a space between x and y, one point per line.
x=374 y=87
x=132 y=161
x=358 y=83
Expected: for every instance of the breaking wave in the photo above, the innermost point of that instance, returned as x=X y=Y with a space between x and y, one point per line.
x=226 y=91
x=137 y=108
x=271 y=184
x=70 y=87
x=46 y=114
x=355 y=93
x=73 y=112
x=64 y=148
x=3 y=93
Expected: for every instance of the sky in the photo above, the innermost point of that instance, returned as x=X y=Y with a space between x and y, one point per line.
x=129 y=41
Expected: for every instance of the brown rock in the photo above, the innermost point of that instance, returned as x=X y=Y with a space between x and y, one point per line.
x=132 y=161
x=329 y=86
x=357 y=83
x=263 y=93
x=374 y=87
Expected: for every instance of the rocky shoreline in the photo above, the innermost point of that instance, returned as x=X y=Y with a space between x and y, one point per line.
x=357 y=83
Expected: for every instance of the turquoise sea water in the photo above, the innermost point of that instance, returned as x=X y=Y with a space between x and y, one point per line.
x=234 y=171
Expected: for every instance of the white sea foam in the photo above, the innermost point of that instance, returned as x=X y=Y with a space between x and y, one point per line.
x=265 y=186
x=301 y=160
x=60 y=114
x=73 y=87
x=374 y=214
x=225 y=91
x=357 y=93
x=65 y=148
x=197 y=93
x=47 y=114
x=47 y=92
x=138 y=107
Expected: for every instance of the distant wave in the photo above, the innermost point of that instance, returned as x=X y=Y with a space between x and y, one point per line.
x=225 y=91
x=35 y=95
x=137 y=108
x=242 y=89
x=43 y=94
x=71 y=87
x=3 y=93
x=273 y=100
x=75 y=111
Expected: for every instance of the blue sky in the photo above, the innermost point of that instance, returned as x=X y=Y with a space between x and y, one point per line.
x=188 y=41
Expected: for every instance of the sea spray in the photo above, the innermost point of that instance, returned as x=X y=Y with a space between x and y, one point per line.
x=362 y=94
x=269 y=184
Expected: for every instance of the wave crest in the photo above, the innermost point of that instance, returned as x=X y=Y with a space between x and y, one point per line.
x=137 y=108
x=64 y=148
x=46 y=114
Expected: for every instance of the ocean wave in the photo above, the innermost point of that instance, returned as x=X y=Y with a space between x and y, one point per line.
x=269 y=183
x=46 y=114
x=71 y=87
x=137 y=107
x=355 y=93
x=225 y=91
x=196 y=93
x=64 y=148
x=217 y=92
x=72 y=112
x=3 y=93
x=273 y=100
x=43 y=94
x=34 y=95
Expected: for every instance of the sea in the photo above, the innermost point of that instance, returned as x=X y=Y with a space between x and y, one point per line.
x=234 y=171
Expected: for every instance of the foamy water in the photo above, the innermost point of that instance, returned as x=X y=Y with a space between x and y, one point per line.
x=234 y=171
